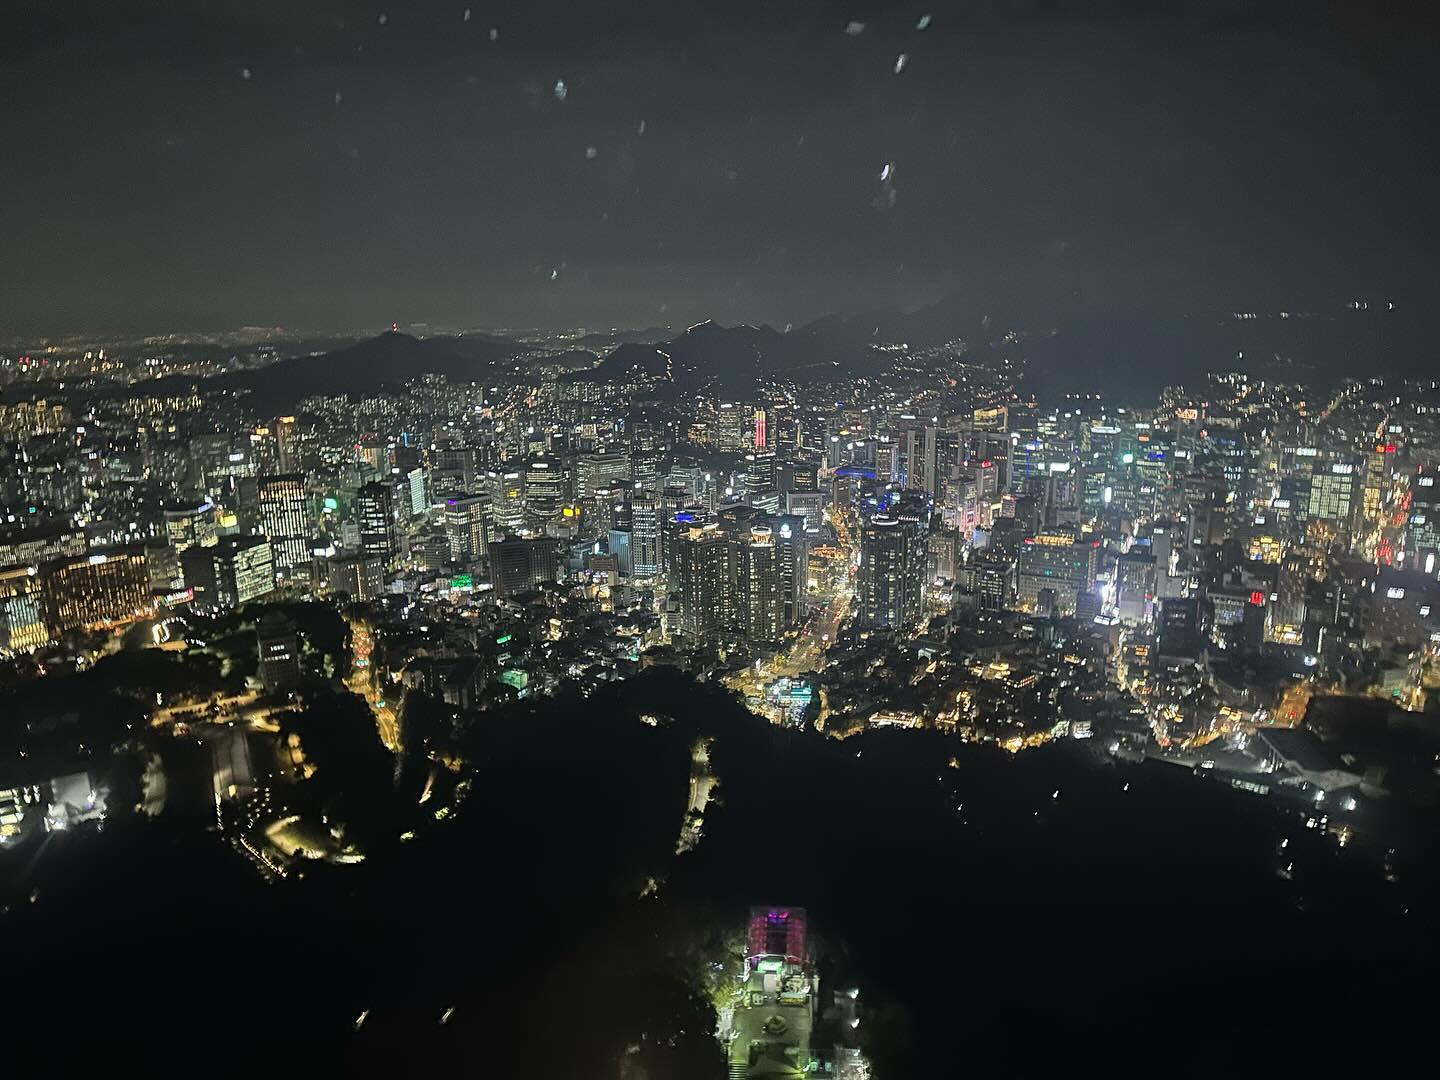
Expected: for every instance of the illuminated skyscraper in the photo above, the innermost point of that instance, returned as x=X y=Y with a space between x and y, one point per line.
x=703 y=561
x=645 y=512
x=235 y=571
x=466 y=527
x=544 y=490
x=892 y=572
x=375 y=515
x=285 y=519
x=760 y=602
x=96 y=589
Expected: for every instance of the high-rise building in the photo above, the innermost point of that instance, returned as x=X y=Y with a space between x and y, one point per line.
x=96 y=589
x=466 y=527
x=375 y=516
x=1179 y=628
x=22 y=610
x=645 y=514
x=278 y=647
x=418 y=492
x=760 y=480
x=285 y=520
x=190 y=524
x=596 y=473
x=1333 y=491
x=544 y=490
x=235 y=571
x=892 y=572
x=1422 y=530
x=518 y=565
x=760 y=602
x=506 y=490
x=360 y=576
x=1059 y=563
x=1135 y=586
x=703 y=565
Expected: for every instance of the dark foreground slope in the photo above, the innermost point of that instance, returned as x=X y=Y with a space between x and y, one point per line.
x=1026 y=916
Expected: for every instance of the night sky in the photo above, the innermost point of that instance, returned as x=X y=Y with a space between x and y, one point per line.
x=330 y=164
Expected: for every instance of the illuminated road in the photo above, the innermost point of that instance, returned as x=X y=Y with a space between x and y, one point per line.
x=807 y=652
x=362 y=681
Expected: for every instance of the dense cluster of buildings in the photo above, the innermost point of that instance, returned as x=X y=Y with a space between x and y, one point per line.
x=917 y=545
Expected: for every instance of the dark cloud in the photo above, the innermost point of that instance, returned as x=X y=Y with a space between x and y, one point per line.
x=218 y=163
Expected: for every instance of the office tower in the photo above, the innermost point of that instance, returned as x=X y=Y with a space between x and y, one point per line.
x=96 y=589
x=730 y=427
x=793 y=557
x=809 y=506
x=454 y=468
x=942 y=555
x=1058 y=563
x=22 y=610
x=887 y=460
x=361 y=576
x=703 y=566
x=596 y=473
x=506 y=490
x=760 y=480
x=991 y=577
x=1135 y=575
x=235 y=571
x=544 y=490
x=287 y=445
x=417 y=490
x=285 y=520
x=645 y=514
x=1333 y=495
x=760 y=602
x=892 y=571
x=190 y=524
x=466 y=527
x=375 y=516
x=278 y=646
x=1422 y=529
x=517 y=565
x=1179 y=628
x=918 y=449
x=1286 y=616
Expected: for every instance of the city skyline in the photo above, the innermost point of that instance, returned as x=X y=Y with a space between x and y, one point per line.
x=719 y=542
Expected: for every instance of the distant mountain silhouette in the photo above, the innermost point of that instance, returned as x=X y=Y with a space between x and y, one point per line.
x=725 y=360
x=365 y=367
